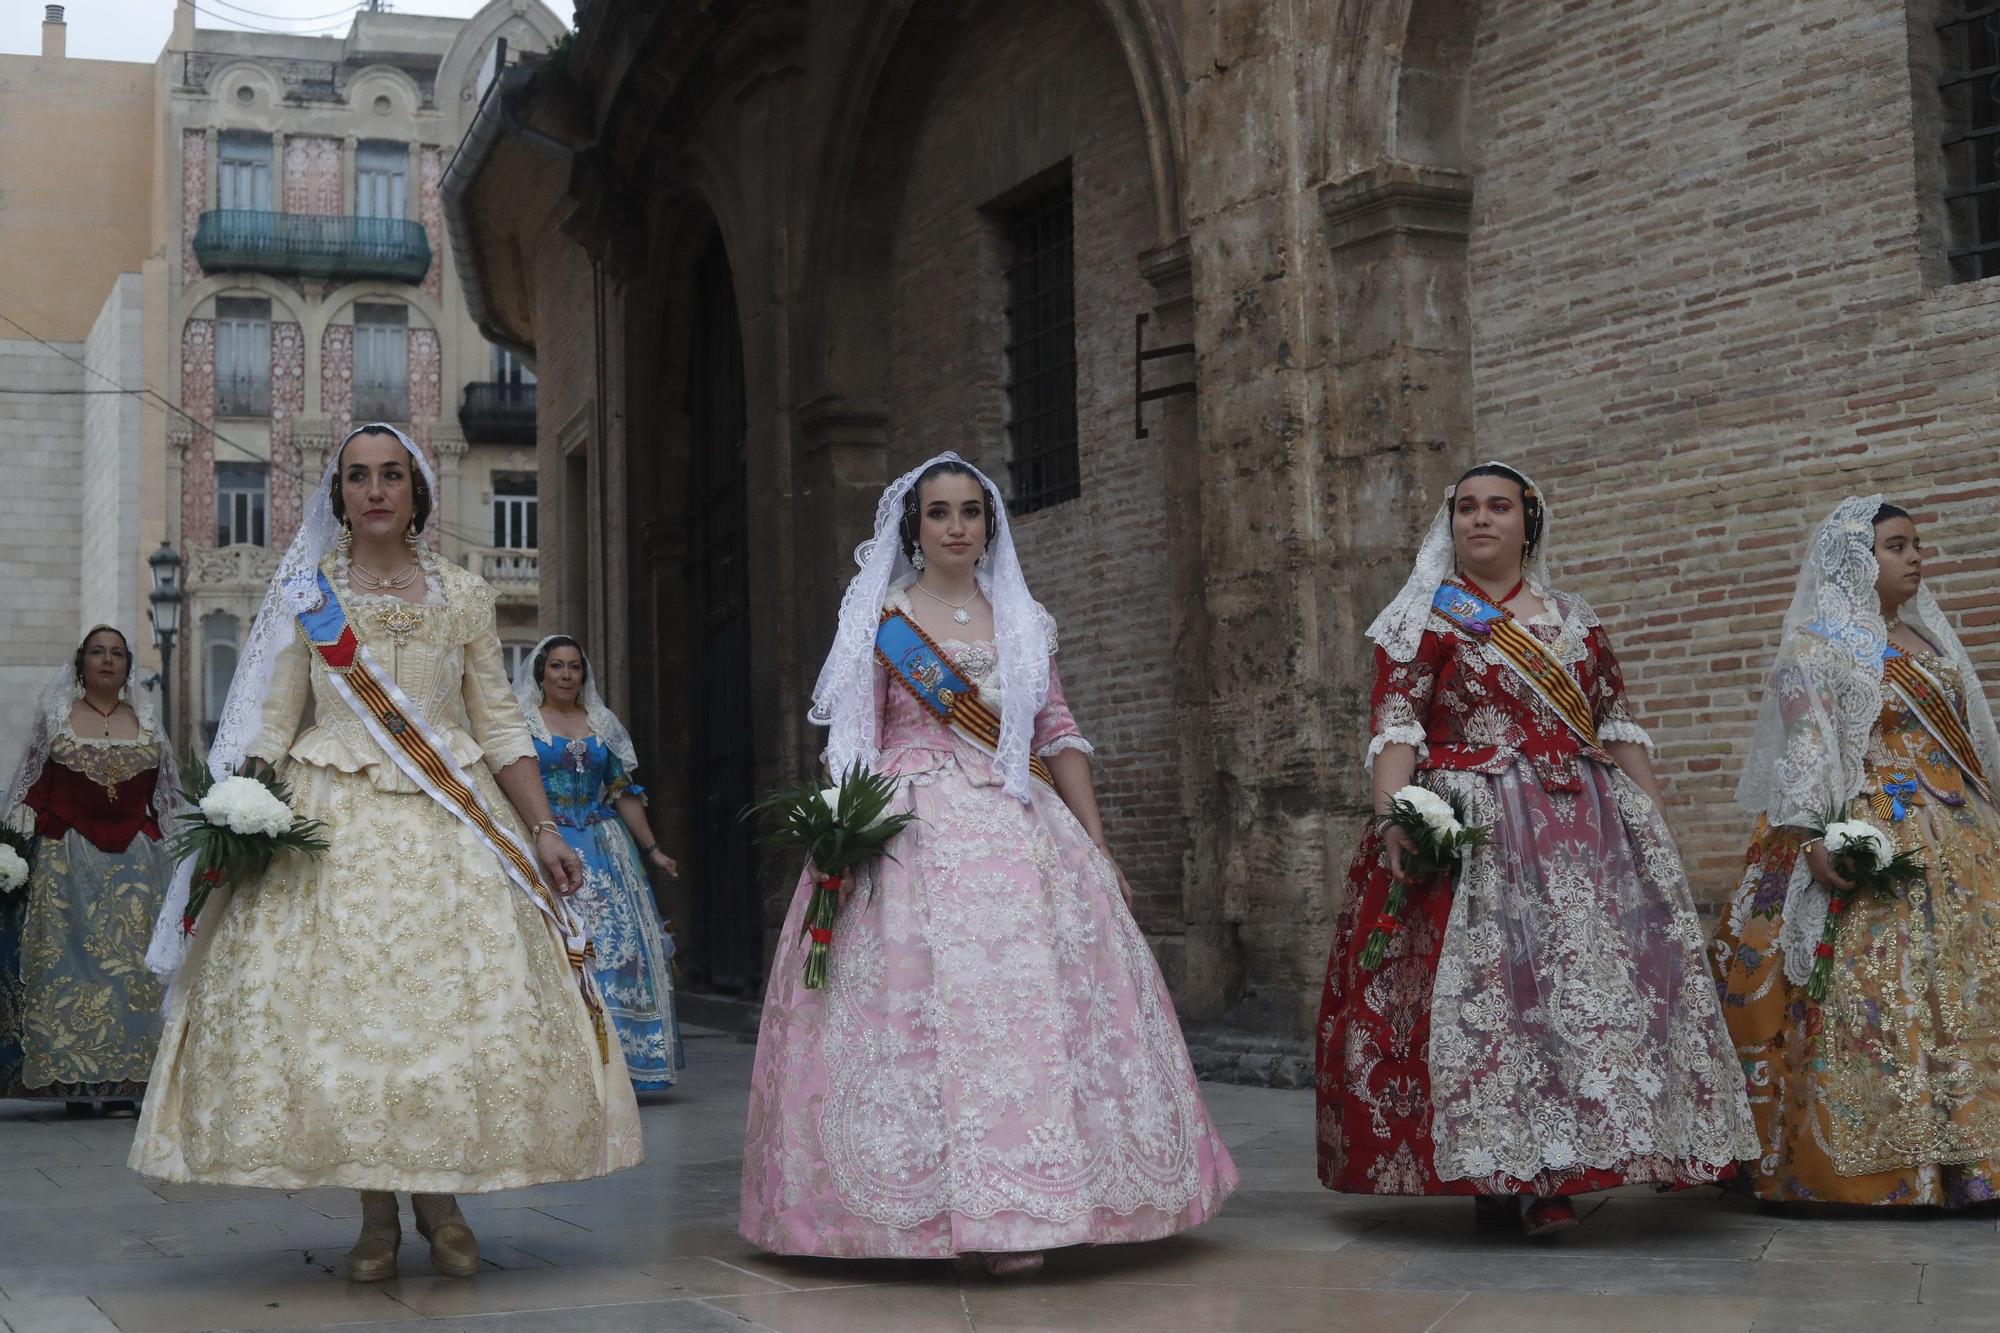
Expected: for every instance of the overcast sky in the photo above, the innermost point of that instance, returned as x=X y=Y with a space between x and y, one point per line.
x=137 y=29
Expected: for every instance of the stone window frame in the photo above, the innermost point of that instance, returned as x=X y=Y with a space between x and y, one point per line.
x=516 y=510
x=245 y=162
x=381 y=179
x=381 y=378
x=242 y=376
x=1037 y=228
x=221 y=634
x=242 y=503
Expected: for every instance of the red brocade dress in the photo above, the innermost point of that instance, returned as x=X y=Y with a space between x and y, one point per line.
x=79 y=1012
x=1545 y=1023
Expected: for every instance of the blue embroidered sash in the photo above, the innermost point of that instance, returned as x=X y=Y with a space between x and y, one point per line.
x=921 y=667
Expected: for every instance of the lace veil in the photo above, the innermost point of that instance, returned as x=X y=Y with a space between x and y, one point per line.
x=1400 y=627
x=1824 y=695
x=1024 y=635
x=604 y=723
x=52 y=707
x=293 y=588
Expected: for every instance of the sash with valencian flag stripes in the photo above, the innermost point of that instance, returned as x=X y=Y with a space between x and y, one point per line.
x=425 y=758
x=921 y=667
x=1926 y=698
x=1522 y=651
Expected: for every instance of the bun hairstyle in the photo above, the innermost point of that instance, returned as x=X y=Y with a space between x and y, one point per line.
x=1889 y=511
x=555 y=642
x=76 y=663
x=913 y=502
x=420 y=509
x=1531 y=502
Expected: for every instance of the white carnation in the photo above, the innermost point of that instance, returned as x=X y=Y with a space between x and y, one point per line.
x=13 y=870
x=1433 y=809
x=246 y=806
x=1857 y=837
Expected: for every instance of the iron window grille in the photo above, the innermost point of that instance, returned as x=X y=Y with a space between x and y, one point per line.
x=1969 y=102
x=1041 y=351
x=241 y=495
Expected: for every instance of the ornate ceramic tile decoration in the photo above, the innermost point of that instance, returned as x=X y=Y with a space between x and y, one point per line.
x=288 y=400
x=336 y=378
x=430 y=208
x=198 y=401
x=313 y=176
x=194 y=197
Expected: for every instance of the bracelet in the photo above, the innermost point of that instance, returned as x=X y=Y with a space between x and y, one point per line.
x=1810 y=843
x=546 y=826
x=649 y=848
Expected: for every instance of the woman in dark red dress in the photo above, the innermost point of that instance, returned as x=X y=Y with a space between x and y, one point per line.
x=79 y=1012
x=1541 y=1024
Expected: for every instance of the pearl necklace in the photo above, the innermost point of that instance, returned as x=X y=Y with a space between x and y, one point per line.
x=369 y=581
x=958 y=611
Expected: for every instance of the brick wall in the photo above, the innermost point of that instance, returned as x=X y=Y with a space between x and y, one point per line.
x=1021 y=88
x=1701 y=318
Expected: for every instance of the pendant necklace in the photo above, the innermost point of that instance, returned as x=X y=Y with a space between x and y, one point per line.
x=100 y=712
x=958 y=611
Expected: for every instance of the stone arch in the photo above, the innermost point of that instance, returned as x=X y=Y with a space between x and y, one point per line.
x=283 y=298
x=860 y=183
x=224 y=80
x=375 y=81
x=460 y=65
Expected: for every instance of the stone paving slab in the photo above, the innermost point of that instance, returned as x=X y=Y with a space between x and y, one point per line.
x=87 y=1247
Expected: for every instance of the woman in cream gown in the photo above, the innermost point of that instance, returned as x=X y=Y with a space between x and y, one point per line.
x=397 y=1013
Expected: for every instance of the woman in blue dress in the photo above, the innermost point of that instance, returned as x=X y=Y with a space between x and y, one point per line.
x=587 y=764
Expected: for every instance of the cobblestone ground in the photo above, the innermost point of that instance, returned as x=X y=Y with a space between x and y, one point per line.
x=85 y=1245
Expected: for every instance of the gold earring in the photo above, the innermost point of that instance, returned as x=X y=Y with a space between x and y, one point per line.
x=346 y=542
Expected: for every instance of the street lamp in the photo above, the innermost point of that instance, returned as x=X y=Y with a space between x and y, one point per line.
x=165 y=613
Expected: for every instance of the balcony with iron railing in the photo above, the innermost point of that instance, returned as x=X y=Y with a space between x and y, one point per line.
x=381 y=400
x=496 y=412
x=333 y=247
x=243 y=395
x=515 y=575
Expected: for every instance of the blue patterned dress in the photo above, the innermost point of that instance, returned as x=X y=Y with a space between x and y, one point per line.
x=583 y=779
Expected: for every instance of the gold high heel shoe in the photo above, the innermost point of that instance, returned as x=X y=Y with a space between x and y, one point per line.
x=373 y=1258
x=454 y=1249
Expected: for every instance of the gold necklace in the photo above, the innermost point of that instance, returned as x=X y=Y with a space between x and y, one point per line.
x=100 y=712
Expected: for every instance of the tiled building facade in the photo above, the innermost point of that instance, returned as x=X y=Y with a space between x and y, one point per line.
x=278 y=269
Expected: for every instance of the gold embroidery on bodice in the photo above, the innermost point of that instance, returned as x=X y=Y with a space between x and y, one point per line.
x=106 y=762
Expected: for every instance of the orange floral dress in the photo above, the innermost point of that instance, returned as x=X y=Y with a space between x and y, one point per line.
x=1889 y=1091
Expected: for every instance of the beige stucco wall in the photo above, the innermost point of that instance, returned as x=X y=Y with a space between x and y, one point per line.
x=76 y=163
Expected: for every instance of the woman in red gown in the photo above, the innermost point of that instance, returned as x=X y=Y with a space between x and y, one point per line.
x=79 y=1012
x=1541 y=1023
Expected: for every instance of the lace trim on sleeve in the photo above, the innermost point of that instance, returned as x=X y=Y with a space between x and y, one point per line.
x=1623 y=730
x=1408 y=733
x=1061 y=743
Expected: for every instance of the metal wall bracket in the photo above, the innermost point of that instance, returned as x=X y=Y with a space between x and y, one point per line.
x=1141 y=354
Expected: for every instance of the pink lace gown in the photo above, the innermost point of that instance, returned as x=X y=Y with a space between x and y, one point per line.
x=994 y=1063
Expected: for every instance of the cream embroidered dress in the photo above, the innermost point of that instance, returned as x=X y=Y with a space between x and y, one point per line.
x=394 y=1015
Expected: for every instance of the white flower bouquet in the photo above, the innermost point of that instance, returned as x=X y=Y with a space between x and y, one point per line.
x=1441 y=836
x=841 y=829
x=13 y=868
x=1869 y=858
x=233 y=828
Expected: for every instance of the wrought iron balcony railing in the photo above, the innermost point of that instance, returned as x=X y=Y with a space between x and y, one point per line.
x=242 y=396
x=381 y=400
x=498 y=413
x=308 y=245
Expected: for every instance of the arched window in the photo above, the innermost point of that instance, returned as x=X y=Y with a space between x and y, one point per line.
x=219 y=631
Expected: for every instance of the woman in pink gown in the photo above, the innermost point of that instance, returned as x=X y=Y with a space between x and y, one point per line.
x=994 y=1064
